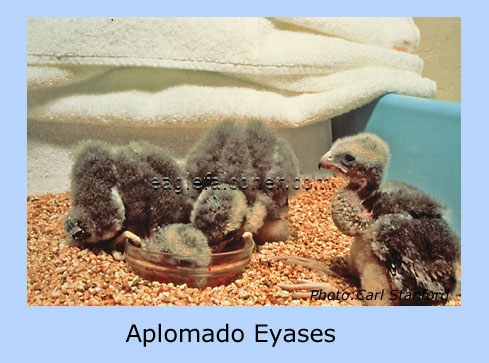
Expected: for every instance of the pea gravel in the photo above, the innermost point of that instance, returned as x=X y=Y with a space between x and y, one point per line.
x=61 y=275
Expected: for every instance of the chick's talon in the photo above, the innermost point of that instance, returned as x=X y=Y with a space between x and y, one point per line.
x=117 y=255
x=134 y=239
x=305 y=262
x=308 y=285
x=305 y=289
x=117 y=245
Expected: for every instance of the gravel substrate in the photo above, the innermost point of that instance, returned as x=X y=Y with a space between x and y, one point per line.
x=61 y=275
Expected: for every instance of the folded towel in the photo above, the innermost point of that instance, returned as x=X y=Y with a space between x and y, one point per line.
x=181 y=70
x=399 y=33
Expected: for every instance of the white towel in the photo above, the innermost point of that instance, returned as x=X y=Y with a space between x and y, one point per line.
x=293 y=71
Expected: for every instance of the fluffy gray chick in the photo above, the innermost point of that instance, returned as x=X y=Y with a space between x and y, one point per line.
x=220 y=214
x=120 y=192
x=98 y=212
x=249 y=156
x=189 y=246
x=402 y=242
x=146 y=175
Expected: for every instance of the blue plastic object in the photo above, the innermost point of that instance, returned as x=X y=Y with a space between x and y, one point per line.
x=425 y=141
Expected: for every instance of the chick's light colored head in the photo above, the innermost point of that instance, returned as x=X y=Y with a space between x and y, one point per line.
x=188 y=246
x=219 y=213
x=361 y=158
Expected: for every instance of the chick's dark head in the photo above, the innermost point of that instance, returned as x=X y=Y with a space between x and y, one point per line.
x=361 y=158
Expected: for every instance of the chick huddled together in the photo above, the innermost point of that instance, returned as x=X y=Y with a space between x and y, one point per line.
x=234 y=181
x=249 y=160
x=402 y=243
x=112 y=192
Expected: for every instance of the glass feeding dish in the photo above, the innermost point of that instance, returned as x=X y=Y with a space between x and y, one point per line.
x=224 y=267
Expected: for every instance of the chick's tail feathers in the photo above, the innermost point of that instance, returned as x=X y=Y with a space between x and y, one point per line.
x=419 y=254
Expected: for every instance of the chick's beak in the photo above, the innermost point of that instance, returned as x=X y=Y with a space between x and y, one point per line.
x=327 y=162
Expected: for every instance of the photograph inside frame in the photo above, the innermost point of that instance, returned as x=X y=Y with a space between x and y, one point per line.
x=243 y=161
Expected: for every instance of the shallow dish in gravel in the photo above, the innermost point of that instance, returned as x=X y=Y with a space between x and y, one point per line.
x=224 y=267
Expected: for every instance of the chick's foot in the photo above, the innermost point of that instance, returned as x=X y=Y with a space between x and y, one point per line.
x=304 y=289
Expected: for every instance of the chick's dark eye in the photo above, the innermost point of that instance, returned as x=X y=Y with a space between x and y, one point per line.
x=348 y=159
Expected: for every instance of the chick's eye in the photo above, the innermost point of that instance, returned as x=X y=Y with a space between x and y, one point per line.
x=348 y=159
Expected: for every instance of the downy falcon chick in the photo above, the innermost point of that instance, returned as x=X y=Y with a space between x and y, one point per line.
x=402 y=243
